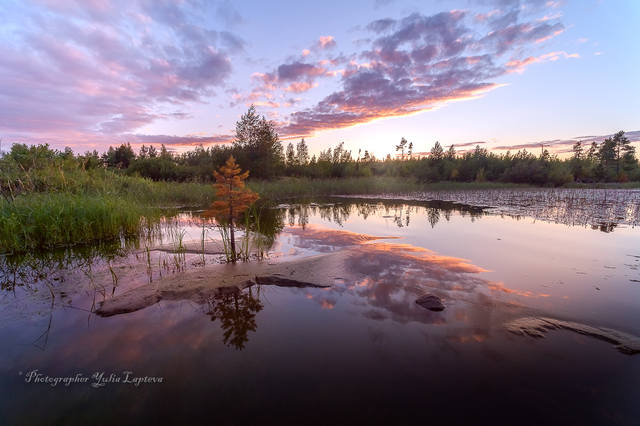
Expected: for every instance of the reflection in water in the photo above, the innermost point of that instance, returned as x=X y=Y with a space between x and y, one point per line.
x=388 y=277
x=236 y=310
x=340 y=210
x=267 y=222
x=573 y=207
x=384 y=277
x=29 y=269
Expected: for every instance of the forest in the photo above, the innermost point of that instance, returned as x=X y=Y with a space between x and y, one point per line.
x=258 y=148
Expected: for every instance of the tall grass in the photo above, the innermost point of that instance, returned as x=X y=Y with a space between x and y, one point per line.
x=45 y=221
x=53 y=178
x=58 y=204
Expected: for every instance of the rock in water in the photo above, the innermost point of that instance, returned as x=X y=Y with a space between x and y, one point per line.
x=431 y=302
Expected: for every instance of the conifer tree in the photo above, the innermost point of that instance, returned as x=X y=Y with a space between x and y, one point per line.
x=232 y=198
x=302 y=152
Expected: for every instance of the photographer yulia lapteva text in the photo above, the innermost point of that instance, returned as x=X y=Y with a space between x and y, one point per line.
x=97 y=379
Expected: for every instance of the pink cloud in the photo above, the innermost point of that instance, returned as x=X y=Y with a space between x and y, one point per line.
x=421 y=62
x=558 y=145
x=299 y=87
x=519 y=65
x=326 y=42
x=89 y=70
x=179 y=140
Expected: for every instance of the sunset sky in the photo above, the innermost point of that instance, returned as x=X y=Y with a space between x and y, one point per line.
x=93 y=73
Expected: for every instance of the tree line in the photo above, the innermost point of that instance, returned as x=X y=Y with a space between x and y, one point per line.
x=258 y=148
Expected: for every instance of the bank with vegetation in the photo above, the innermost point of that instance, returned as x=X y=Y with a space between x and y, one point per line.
x=51 y=198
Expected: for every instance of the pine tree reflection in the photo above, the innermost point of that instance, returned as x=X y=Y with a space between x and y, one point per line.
x=338 y=211
x=236 y=311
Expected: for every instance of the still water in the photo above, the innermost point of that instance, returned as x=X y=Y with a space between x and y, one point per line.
x=358 y=350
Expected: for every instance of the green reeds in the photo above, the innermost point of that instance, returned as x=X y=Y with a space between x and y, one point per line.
x=53 y=177
x=202 y=240
x=179 y=257
x=46 y=221
x=224 y=236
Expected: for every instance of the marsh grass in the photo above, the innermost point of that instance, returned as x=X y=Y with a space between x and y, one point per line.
x=16 y=181
x=46 y=221
x=179 y=257
x=224 y=236
x=57 y=205
x=304 y=187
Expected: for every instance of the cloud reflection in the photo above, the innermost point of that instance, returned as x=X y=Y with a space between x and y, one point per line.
x=383 y=279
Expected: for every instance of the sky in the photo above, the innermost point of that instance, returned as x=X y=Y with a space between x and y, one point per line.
x=506 y=74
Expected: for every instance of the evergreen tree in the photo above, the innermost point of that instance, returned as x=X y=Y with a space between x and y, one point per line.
x=577 y=150
x=143 y=152
x=258 y=145
x=400 y=147
x=291 y=155
x=437 y=153
x=625 y=152
x=592 y=154
x=577 y=161
x=302 y=152
x=165 y=153
x=152 y=152
x=119 y=157
x=607 y=156
x=325 y=155
x=451 y=153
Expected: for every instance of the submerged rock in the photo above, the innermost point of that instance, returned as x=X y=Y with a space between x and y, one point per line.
x=431 y=302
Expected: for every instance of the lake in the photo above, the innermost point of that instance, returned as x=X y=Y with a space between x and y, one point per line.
x=540 y=323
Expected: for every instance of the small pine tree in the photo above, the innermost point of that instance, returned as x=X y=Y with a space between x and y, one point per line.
x=232 y=198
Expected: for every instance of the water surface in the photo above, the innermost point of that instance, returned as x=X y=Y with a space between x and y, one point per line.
x=358 y=351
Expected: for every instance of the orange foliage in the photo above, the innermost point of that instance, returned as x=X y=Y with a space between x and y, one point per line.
x=232 y=197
